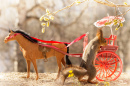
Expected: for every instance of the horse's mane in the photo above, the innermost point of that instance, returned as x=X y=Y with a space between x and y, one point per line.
x=26 y=36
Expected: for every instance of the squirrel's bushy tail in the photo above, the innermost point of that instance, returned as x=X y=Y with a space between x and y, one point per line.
x=75 y=70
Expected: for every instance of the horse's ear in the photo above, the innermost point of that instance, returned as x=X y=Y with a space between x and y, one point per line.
x=10 y=31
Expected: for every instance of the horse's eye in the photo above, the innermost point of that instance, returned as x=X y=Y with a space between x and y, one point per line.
x=9 y=34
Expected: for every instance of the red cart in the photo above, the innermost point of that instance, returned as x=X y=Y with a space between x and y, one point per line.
x=107 y=62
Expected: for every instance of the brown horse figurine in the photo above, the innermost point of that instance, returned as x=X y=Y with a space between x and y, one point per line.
x=33 y=50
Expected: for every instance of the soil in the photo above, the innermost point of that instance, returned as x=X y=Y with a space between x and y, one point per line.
x=48 y=79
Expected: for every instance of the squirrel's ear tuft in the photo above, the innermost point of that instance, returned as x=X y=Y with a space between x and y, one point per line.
x=99 y=32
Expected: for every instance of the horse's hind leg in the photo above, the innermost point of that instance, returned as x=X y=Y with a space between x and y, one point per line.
x=28 y=68
x=63 y=61
x=35 y=67
x=59 y=67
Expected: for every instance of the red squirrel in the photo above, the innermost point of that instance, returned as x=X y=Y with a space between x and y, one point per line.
x=87 y=64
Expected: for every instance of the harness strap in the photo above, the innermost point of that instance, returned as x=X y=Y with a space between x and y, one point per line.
x=50 y=41
x=59 y=50
x=13 y=35
x=77 y=39
x=45 y=58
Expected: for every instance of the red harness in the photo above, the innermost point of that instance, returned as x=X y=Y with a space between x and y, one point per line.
x=77 y=39
x=13 y=35
x=50 y=41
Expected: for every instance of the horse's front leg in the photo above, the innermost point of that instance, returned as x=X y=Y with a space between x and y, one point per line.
x=59 y=67
x=35 y=67
x=28 y=68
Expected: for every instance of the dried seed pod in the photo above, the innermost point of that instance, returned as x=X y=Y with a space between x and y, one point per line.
x=43 y=29
x=48 y=23
x=121 y=24
x=43 y=24
x=41 y=18
x=46 y=19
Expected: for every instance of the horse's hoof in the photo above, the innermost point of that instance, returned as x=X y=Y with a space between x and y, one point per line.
x=28 y=76
x=37 y=78
x=23 y=77
x=55 y=79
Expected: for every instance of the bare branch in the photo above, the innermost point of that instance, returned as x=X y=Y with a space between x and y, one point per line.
x=124 y=13
x=66 y=7
x=110 y=4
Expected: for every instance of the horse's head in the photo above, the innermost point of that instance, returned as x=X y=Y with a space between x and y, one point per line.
x=11 y=36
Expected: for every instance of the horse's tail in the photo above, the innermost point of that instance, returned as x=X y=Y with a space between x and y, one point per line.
x=68 y=62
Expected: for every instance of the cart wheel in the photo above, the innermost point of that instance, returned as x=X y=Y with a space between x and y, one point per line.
x=108 y=66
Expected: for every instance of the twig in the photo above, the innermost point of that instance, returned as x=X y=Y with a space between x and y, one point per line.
x=116 y=7
x=110 y=4
x=67 y=7
x=64 y=8
x=124 y=13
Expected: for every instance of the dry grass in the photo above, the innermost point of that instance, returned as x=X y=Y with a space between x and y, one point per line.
x=47 y=79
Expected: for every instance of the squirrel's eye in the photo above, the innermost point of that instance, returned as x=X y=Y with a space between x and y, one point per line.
x=104 y=40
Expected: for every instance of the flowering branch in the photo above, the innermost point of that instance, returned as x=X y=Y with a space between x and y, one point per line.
x=50 y=16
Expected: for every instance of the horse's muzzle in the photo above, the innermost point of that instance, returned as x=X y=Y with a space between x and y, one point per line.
x=6 y=40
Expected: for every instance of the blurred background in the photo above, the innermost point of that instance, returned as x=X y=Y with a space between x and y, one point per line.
x=67 y=25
